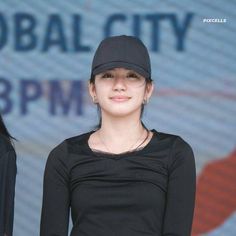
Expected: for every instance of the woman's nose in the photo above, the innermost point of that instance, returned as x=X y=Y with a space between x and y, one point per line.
x=119 y=82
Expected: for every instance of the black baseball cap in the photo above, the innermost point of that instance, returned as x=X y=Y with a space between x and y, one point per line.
x=122 y=51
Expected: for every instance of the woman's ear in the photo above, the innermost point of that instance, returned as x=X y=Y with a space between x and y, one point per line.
x=91 y=88
x=149 y=90
x=92 y=92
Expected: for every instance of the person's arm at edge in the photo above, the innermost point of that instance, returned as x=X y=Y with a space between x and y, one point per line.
x=10 y=192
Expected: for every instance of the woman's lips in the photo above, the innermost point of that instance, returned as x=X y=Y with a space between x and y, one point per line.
x=120 y=98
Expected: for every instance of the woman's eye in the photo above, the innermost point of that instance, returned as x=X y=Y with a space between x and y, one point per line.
x=107 y=75
x=133 y=75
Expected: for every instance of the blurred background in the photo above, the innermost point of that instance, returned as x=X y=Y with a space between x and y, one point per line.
x=46 y=49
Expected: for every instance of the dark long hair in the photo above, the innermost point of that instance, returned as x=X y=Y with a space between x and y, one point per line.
x=98 y=126
x=4 y=131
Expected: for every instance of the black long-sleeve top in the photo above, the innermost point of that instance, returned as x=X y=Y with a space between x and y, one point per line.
x=145 y=192
x=7 y=186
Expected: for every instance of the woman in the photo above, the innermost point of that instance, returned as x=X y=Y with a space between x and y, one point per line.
x=7 y=181
x=122 y=178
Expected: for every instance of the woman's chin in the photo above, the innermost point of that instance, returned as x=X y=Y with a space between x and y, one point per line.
x=121 y=111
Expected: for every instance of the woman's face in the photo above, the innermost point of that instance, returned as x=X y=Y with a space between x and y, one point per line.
x=120 y=92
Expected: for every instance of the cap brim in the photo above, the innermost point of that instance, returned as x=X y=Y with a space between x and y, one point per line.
x=118 y=64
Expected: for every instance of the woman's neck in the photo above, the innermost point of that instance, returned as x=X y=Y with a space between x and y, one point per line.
x=119 y=134
x=117 y=128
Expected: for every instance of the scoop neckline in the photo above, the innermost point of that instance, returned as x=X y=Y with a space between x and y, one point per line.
x=118 y=155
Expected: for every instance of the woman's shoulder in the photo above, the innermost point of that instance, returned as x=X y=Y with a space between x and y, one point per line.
x=70 y=145
x=79 y=139
x=178 y=146
x=174 y=140
x=180 y=152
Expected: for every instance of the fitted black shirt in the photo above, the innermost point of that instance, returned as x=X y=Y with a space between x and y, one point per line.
x=146 y=192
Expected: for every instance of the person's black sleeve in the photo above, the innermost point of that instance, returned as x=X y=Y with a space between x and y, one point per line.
x=8 y=178
x=181 y=190
x=56 y=200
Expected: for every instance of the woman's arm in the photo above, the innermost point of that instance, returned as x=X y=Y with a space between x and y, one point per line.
x=8 y=187
x=181 y=191
x=56 y=200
